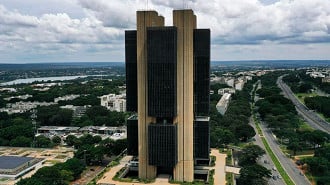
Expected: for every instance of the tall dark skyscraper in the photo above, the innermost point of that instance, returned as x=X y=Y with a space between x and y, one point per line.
x=168 y=83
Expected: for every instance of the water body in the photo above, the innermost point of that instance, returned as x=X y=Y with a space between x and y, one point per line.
x=45 y=79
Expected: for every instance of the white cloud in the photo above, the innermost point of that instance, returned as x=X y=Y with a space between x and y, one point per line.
x=99 y=28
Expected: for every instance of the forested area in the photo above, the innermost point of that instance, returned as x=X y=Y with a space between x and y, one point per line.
x=319 y=103
x=319 y=165
x=95 y=116
x=233 y=126
x=17 y=129
x=88 y=91
x=297 y=86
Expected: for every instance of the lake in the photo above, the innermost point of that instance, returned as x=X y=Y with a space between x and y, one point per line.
x=45 y=79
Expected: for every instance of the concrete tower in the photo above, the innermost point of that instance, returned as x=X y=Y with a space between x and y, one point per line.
x=162 y=66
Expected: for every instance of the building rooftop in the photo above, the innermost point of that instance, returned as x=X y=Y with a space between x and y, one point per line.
x=57 y=128
x=12 y=162
x=224 y=99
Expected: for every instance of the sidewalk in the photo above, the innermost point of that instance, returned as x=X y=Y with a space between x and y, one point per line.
x=219 y=175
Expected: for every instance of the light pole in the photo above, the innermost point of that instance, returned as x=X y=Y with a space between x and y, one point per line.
x=34 y=124
x=85 y=157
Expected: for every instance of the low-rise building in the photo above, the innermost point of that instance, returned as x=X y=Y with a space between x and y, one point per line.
x=78 y=111
x=223 y=103
x=55 y=130
x=13 y=167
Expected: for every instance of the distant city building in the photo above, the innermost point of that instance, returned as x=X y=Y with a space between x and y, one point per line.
x=226 y=90
x=114 y=102
x=260 y=73
x=21 y=107
x=103 y=131
x=223 y=103
x=55 y=130
x=78 y=111
x=326 y=80
x=66 y=98
x=8 y=89
x=22 y=97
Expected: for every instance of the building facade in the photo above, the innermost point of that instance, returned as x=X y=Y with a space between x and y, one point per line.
x=167 y=79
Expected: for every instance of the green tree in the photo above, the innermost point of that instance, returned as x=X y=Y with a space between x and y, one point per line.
x=244 y=132
x=21 y=141
x=43 y=142
x=49 y=175
x=70 y=140
x=250 y=154
x=253 y=175
x=57 y=140
x=119 y=146
x=317 y=165
x=74 y=165
x=30 y=181
x=294 y=146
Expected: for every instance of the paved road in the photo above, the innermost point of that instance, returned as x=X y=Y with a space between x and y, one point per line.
x=292 y=170
x=310 y=117
x=288 y=165
x=265 y=160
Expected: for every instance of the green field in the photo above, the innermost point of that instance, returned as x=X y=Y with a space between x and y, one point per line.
x=302 y=96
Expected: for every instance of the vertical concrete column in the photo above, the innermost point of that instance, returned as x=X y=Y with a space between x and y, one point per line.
x=144 y=19
x=185 y=21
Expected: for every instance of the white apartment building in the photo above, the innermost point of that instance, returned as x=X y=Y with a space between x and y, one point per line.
x=223 y=103
x=239 y=85
x=114 y=102
x=230 y=82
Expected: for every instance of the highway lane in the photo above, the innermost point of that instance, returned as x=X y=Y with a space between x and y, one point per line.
x=291 y=169
x=265 y=160
x=310 y=117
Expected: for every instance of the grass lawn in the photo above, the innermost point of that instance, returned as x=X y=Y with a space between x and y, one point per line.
x=304 y=126
x=323 y=117
x=302 y=96
x=229 y=178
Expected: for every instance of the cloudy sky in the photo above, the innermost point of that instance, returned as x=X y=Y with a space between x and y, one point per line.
x=93 y=30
